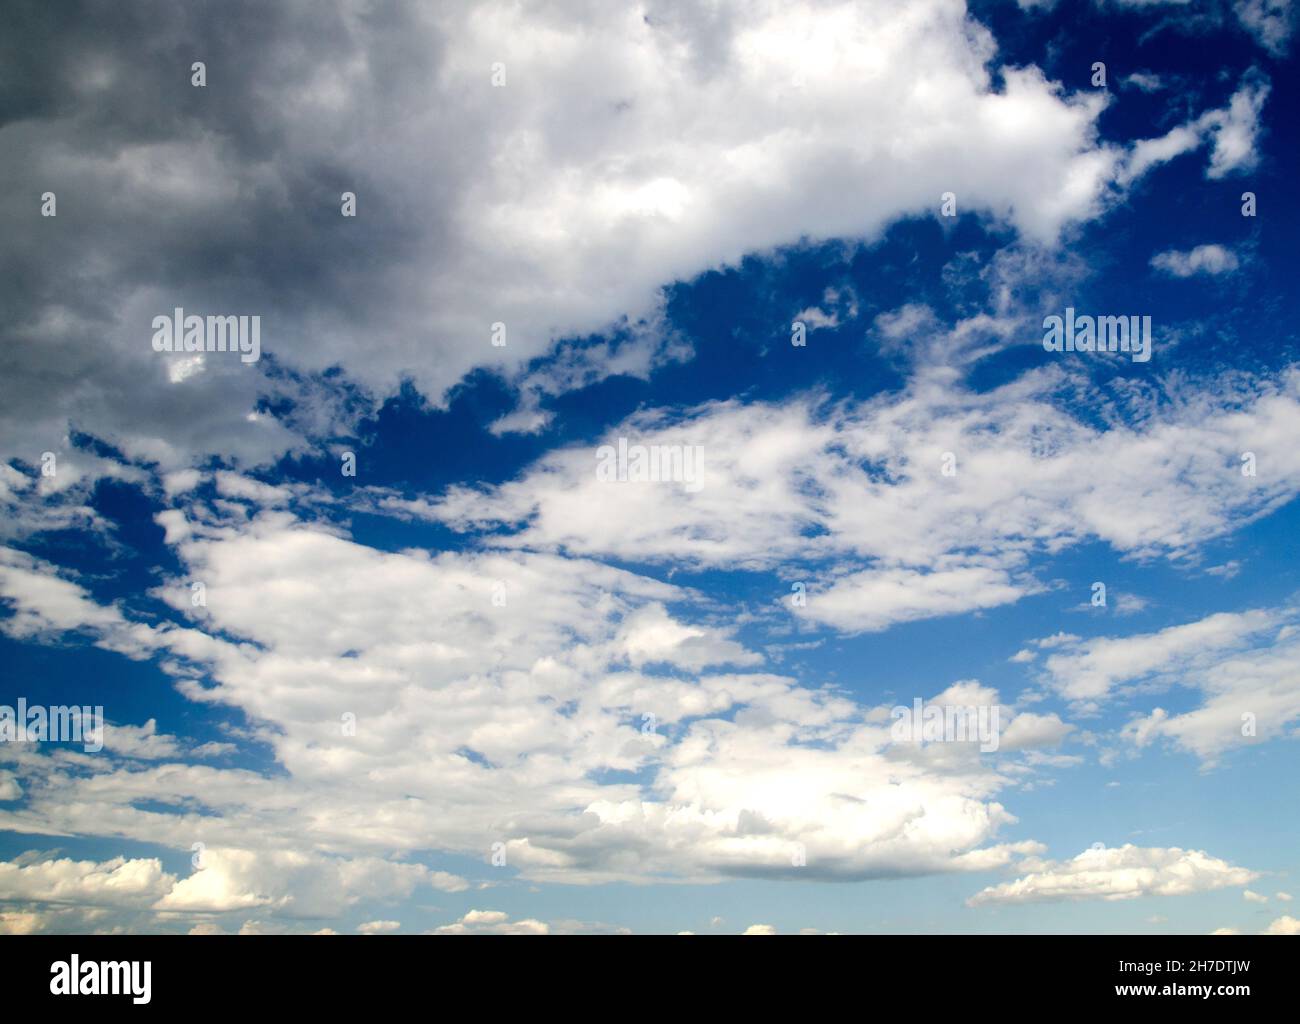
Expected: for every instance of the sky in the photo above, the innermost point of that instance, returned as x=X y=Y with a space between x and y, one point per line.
x=390 y=632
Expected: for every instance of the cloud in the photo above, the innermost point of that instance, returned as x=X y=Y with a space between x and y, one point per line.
x=21 y=922
x=1204 y=259
x=521 y=721
x=499 y=726
x=113 y=883
x=143 y=742
x=1285 y=925
x=688 y=138
x=493 y=922
x=595 y=723
x=803 y=481
x=1149 y=153
x=1241 y=663
x=293 y=883
x=650 y=636
x=1271 y=22
x=379 y=927
x=1235 y=131
x=1089 y=669
x=1126 y=872
x=1028 y=730
x=1144 y=81
x=1232 y=133
x=876 y=599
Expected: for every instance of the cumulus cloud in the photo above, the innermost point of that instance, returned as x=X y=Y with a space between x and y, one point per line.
x=1028 y=730
x=1284 y=925
x=602 y=183
x=118 y=882
x=497 y=726
x=1122 y=873
x=493 y=922
x=292 y=882
x=686 y=138
x=596 y=723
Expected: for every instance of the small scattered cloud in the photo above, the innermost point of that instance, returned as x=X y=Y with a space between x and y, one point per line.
x=1204 y=259
x=379 y=927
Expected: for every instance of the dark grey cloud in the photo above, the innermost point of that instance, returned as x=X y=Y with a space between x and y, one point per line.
x=627 y=149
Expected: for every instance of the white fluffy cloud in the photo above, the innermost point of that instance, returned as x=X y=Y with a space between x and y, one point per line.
x=1028 y=730
x=65 y=894
x=114 y=883
x=294 y=883
x=493 y=922
x=1122 y=873
x=478 y=723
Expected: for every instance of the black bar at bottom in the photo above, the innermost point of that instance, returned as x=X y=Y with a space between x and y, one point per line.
x=672 y=973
